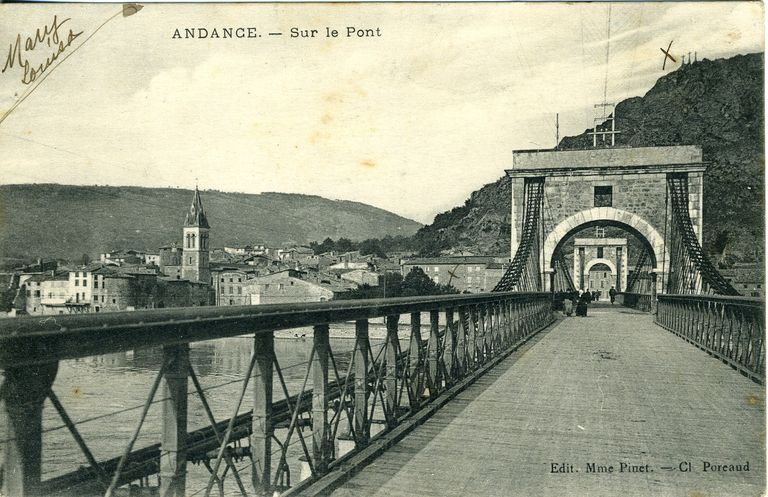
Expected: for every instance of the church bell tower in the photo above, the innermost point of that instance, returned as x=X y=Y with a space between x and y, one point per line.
x=195 y=265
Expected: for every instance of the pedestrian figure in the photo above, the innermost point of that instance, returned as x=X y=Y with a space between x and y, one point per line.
x=568 y=303
x=612 y=292
x=584 y=299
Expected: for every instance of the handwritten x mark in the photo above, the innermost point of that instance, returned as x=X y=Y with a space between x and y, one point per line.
x=667 y=56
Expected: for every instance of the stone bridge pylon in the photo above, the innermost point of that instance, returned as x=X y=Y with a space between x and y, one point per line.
x=621 y=187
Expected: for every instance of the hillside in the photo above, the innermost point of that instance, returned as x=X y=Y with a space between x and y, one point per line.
x=68 y=221
x=716 y=104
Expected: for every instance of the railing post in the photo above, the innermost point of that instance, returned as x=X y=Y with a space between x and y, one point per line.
x=718 y=325
x=321 y=444
x=474 y=356
x=362 y=426
x=461 y=343
x=508 y=330
x=491 y=330
x=528 y=316
x=391 y=375
x=173 y=449
x=416 y=362
x=434 y=353
x=728 y=317
x=497 y=328
x=481 y=309
x=502 y=326
x=449 y=354
x=262 y=426
x=511 y=329
x=24 y=391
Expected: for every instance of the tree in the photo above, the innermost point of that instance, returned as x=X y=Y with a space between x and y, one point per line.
x=720 y=245
x=416 y=282
x=327 y=245
x=344 y=245
x=372 y=246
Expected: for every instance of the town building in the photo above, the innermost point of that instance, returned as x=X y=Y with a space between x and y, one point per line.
x=122 y=281
x=244 y=285
x=45 y=294
x=119 y=257
x=296 y=254
x=229 y=282
x=170 y=261
x=361 y=277
x=600 y=263
x=106 y=288
x=349 y=266
x=287 y=286
x=195 y=261
x=747 y=278
x=474 y=274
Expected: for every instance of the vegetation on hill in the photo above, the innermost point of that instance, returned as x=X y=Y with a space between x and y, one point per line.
x=370 y=246
x=65 y=221
x=717 y=104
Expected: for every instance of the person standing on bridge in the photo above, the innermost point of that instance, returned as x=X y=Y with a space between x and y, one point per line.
x=612 y=292
x=585 y=297
x=568 y=302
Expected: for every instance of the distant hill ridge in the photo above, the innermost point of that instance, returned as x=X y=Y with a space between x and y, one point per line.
x=717 y=104
x=52 y=220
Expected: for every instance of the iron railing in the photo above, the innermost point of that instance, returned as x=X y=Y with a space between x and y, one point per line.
x=730 y=328
x=376 y=385
x=639 y=301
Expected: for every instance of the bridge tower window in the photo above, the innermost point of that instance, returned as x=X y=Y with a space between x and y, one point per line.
x=603 y=196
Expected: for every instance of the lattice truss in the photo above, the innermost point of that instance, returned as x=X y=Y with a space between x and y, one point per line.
x=524 y=274
x=690 y=271
x=563 y=281
x=641 y=279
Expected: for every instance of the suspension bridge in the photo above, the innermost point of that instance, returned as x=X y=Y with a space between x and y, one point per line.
x=474 y=394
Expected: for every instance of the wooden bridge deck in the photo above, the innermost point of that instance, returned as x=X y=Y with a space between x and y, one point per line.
x=606 y=389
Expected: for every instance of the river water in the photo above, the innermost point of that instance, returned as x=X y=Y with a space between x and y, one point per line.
x=104 y=396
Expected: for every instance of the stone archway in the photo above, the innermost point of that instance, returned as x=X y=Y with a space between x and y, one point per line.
x=607 y=262
x=632 y=223
x=626 y=220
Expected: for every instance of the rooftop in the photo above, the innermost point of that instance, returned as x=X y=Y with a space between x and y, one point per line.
x=50 y=276
x=196 y=216
x=448 y=259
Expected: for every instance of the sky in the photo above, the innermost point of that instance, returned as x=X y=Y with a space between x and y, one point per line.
x=411 y=121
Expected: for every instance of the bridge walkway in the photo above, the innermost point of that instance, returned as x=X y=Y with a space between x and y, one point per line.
x=609 y=388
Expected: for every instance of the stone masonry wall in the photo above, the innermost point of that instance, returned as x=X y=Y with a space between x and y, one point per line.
x=640 y=194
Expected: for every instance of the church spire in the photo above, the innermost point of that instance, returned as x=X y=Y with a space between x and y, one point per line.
x=196 y=215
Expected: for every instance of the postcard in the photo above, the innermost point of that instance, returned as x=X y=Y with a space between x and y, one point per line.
x=382 y=249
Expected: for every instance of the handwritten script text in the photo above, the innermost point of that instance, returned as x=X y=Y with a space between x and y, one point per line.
x=22 y=50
